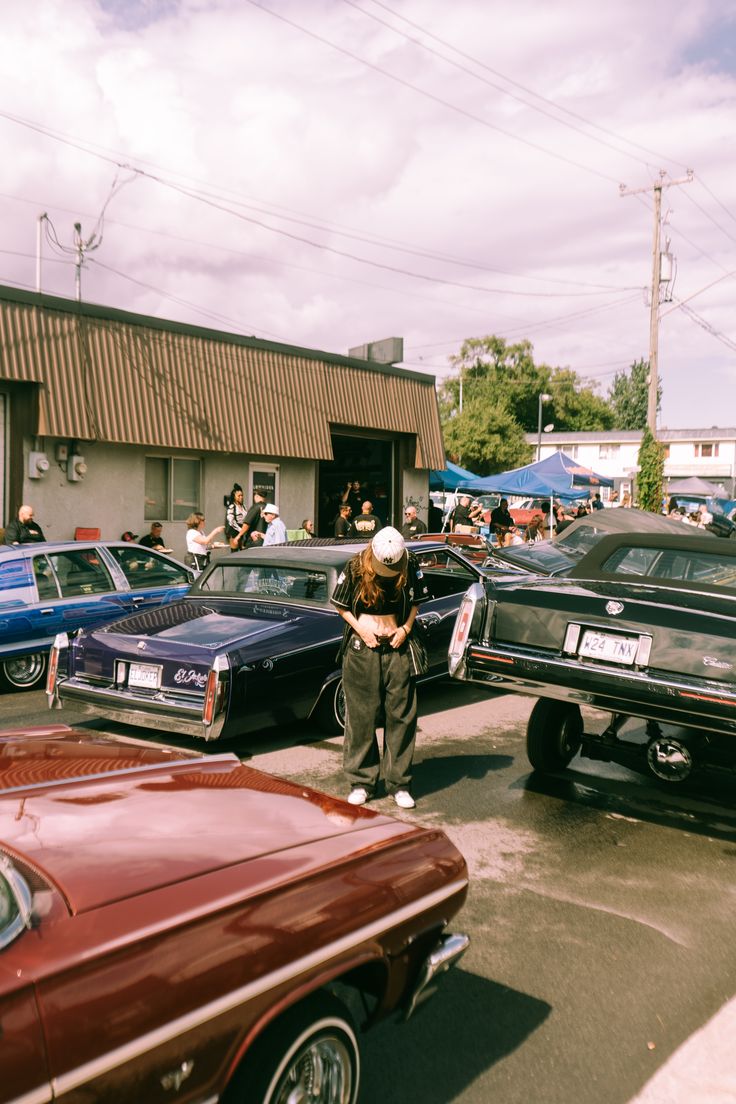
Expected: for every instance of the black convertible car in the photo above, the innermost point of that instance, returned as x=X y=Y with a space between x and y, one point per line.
x=253 y=644
x=643 y=626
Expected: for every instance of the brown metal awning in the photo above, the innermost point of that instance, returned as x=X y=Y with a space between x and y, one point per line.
x=110 y=376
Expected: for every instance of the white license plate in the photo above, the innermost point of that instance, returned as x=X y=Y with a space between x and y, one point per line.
x=144 y=676
x=601 y=645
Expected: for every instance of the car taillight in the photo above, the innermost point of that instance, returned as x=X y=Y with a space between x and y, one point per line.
x=214 y=691
x=463 y=623
x=61 y=643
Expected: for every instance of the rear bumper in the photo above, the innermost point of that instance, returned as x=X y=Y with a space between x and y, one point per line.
x=447 y=952
x=160 y=711
x=653 y=695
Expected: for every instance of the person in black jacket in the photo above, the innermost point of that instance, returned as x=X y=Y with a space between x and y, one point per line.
x=23 y=529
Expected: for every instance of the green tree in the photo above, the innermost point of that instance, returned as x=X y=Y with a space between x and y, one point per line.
x=650 y=479
x=628 y=396
x=502 y=384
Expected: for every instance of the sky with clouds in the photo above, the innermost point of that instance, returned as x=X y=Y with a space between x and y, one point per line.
x=330 y=172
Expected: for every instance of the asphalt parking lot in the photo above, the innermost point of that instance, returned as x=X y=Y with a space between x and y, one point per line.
x=601 y=913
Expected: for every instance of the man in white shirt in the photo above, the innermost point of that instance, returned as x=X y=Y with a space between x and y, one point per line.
x=276 y=531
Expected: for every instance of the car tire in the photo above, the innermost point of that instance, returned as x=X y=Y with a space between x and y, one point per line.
x=314 y=1040
x=331 y=709
x=553 y=735
x=23 y=672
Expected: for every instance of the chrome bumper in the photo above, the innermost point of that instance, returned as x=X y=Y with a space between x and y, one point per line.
x=115 y=705
x=448 y=951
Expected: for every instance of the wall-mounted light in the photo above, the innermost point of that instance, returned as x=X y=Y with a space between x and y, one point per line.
x=38 y=465
x=76 y=468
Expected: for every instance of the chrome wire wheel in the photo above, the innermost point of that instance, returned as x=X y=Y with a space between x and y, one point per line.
x=23 y=672
x=309 y=1055
x=321 y=1072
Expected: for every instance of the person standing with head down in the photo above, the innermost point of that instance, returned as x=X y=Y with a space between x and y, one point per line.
x=377 y=596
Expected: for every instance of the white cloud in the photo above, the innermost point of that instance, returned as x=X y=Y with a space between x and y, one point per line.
x=228 y=100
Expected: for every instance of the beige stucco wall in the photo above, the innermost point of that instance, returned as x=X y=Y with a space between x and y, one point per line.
x=111 y=495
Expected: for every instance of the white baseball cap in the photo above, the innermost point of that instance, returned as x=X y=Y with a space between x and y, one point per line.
x=388 y=551
x=269 y=508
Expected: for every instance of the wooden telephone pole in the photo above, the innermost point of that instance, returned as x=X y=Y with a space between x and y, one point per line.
x=656 y=277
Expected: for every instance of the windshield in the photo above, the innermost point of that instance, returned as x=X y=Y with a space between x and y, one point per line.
x=297 y=584
x=544 y=557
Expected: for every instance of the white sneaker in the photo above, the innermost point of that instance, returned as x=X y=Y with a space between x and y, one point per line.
x=404 y=799
x=358 y=796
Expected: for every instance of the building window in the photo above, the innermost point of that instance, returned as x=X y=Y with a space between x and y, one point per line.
x=708 y=449
x=172 y=488
x=569 y=450
x=608 y=452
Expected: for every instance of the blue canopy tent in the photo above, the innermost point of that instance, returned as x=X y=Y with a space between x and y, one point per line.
x=557 y=476
x=448 y=478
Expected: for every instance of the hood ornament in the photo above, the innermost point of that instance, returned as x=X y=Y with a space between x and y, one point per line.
x=142 y=645
x=614 y=607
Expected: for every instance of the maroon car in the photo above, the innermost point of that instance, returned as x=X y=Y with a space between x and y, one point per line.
x=182 y=927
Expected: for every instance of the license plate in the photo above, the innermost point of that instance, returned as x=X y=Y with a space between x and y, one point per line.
x=145 y=676
x=601 y=645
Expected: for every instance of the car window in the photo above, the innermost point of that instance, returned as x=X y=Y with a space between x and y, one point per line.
x=81 y=572
x=277 y=581
x=144 y=568
x=45 y=579
x=705 y=568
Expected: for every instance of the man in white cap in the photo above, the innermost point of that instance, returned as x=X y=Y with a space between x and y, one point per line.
x=377 y=596
x=276 y=530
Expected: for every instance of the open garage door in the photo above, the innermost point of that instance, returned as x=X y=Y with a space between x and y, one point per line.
x=366 y=461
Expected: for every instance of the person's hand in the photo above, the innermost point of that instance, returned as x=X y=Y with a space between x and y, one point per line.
x=399 y=637
x=220 y=529
x=256 y=536
x=368 y=637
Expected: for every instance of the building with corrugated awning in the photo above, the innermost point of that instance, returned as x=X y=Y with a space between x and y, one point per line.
x=112 y=420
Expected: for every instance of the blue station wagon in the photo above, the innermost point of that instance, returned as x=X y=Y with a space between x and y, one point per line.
x=48 y=588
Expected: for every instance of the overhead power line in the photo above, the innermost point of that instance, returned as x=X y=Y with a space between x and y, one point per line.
x=431 y=96
x=658 y=157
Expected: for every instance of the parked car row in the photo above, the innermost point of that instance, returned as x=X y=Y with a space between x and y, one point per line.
x=56 y=587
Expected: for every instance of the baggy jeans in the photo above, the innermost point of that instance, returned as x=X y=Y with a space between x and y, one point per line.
x=378 y=680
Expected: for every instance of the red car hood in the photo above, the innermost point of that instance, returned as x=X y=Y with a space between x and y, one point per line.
x=106 y=821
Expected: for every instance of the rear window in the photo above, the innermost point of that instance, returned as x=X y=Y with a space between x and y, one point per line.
x=296 y=584
x=702 y=568
x=144 y=568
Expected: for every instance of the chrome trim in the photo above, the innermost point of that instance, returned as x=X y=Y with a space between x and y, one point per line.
x=74 y=1079
x=448 y=951
x=645 y=677
x=41 y=1095
x=168 y=714
x=197 y=759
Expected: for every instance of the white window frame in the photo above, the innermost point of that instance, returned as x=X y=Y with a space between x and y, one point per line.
x=254 y=468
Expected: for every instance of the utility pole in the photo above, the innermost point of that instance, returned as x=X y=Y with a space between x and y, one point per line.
x=656 y=278
x=39 y=223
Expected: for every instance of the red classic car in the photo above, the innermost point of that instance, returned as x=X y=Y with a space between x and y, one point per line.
x=182 y=927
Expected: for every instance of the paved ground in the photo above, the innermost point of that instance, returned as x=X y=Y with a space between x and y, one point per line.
x=601 y=912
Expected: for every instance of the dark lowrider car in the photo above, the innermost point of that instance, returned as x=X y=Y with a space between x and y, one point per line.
x=58 y=587
x=253 y=644
x=644 y=626
x=561 y=555
x=178 y=927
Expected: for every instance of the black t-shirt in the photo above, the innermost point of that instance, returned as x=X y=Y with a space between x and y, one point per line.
x=345 y=594
x=502 y=518
x=365 y=525
x=255 y=521
x=342 y=526
x=149 y=541
x=413 y=528
x=460 y=515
